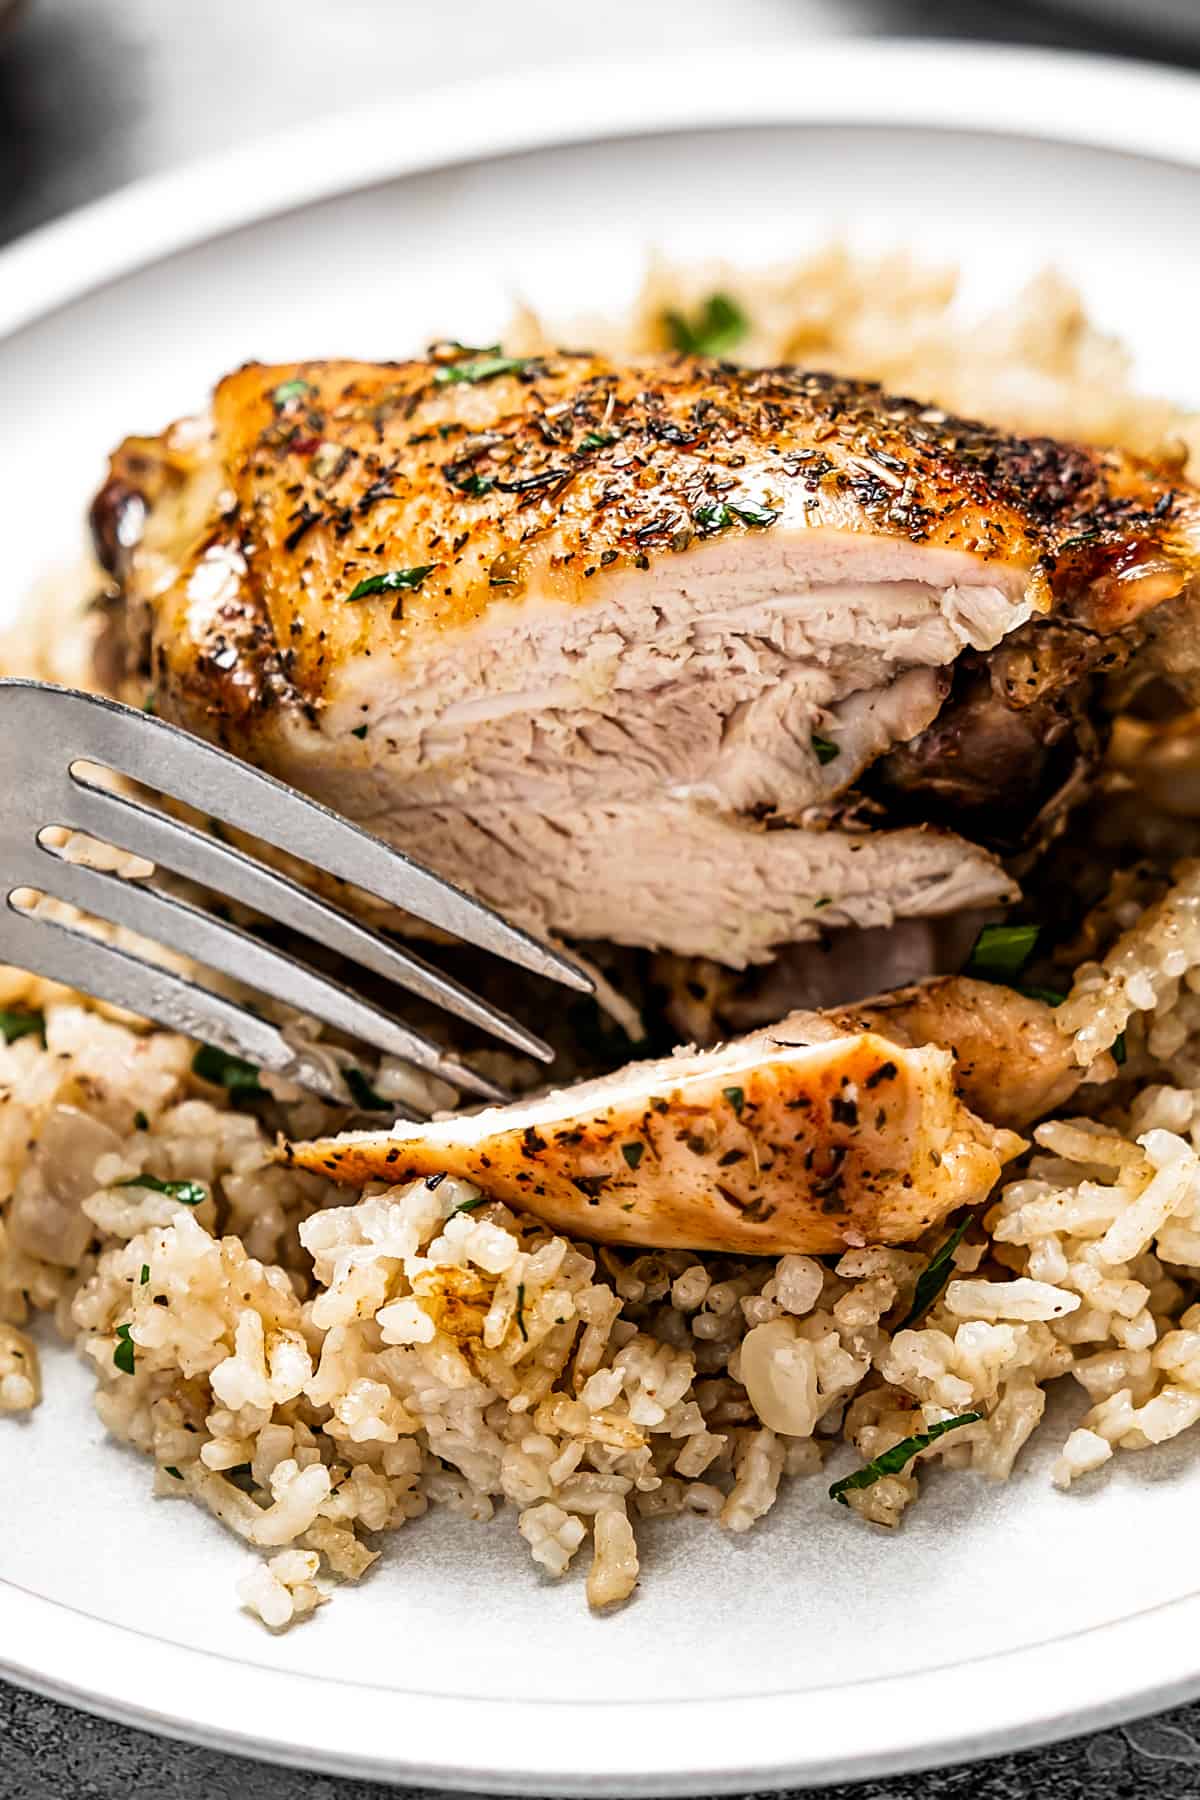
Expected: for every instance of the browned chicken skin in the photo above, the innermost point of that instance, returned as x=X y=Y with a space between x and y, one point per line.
x=820 y=1132
x=617 y=646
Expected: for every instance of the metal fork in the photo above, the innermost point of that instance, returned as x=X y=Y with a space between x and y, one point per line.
x=46 y=732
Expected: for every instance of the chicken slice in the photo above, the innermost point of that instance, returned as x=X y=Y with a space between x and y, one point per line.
x=1012 y=1063
x=808 y=1137
x=567 y=605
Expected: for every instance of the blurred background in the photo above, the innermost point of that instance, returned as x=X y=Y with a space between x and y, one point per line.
x=94 y=93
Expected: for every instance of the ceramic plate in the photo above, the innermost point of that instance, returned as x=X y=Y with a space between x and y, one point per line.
x=813 y=1648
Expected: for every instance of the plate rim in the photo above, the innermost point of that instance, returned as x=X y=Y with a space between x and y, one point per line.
x=1060 y=96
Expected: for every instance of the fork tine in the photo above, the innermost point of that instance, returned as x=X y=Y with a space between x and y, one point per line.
x=191 y=853
x=63 y=952
x=213 y=782
x=167 y=920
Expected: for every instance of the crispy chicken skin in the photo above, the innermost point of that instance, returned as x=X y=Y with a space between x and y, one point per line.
x=799 y=1139
x=605 y=608
x=1012 y=1064
x=828 y=1129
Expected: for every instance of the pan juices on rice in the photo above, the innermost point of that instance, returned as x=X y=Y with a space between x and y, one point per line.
x=837 y=660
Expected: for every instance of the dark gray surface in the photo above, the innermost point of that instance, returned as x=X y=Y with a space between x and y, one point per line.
x=96 y=92
x=49 y=1753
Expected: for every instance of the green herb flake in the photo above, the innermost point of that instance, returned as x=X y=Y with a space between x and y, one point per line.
x=287 y=391
x=1119 y=1051
x=188 y=1193
x=144 y=1277
x=360 y=732
x=633 y=1154
x=448 y=350
x=481 y=368
x=710 y=519
x=150 y=703
x=597 y=440
x=140 y=1121
x=935 y=1275
x=365 y=1097
x=893 y=1461
x=824 y=749
x=475 y=486
x=123 y=1353
x=720 y=515
x=1000 y=952
x=14 y=1025
x=750 y=513
x=469 y=1205
x=521 y=1311
x=170 y=1469
x=736 y=1097
x=396 y=581
x=225 y=1070
x=714 y=330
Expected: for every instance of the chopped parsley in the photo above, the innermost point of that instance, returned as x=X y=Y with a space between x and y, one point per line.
x=824 y=749
x=1119 y=1052
x=597 y=440
x=750 y=513
x=480 y=368
x=14 y=1025
x=463 y=1205
x=150 y=703
x=188 y=1193
x=633 y=1154
x=722 y=513
x=144 y=1277
x=448 y=350
x=893 y=1461
x=360 y=732
x=396 y=581
x=140 y=1121
x=521 y=1311
x=170 y=1469
x=225 y=1070
x=123 y=1352
x=1000 y=952
x=365 y=1097
x=736 y=1097
x=476 y=486
x=287 y=391
x=934 y=1275
x=716 y=328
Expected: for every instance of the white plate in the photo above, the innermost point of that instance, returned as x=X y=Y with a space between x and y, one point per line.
x=814 y=1648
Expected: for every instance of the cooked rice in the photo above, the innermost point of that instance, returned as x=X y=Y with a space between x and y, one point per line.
x=318 y=1373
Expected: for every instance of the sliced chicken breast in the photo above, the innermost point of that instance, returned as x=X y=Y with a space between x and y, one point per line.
x=803 y=1139
x=565 y=608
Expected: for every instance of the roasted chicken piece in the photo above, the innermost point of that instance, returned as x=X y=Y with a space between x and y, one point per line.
x=801 y=1139
x=1012 y=1063
x=823 y=1131
x=669 y=653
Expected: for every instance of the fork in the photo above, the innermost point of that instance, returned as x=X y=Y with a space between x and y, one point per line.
x=46 y=732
